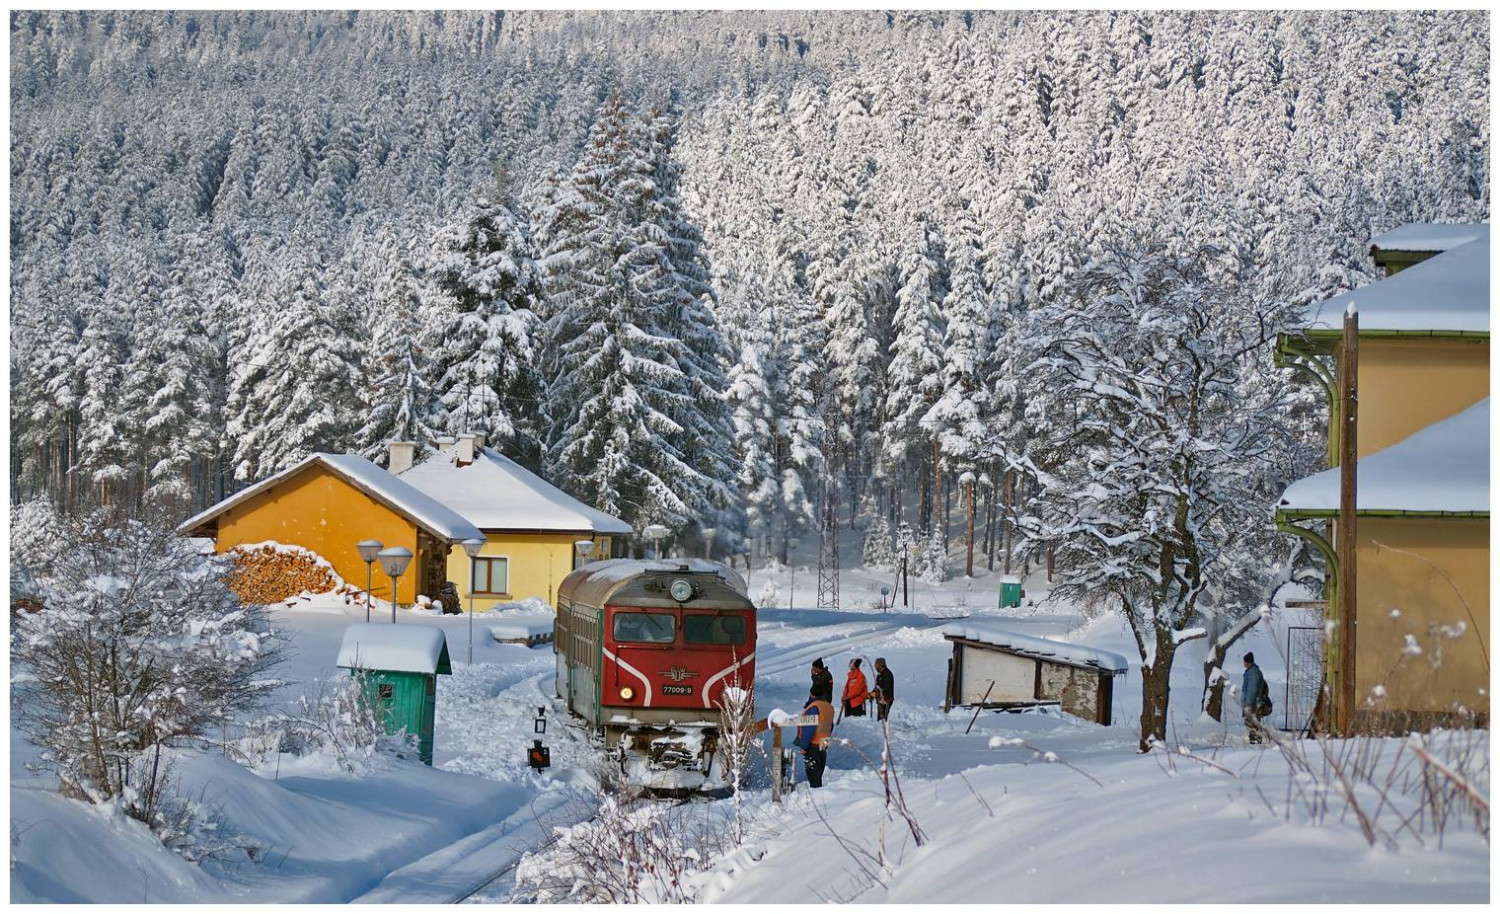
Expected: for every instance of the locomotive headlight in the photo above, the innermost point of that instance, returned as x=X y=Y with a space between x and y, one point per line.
x=682 y=590
x=627 y=693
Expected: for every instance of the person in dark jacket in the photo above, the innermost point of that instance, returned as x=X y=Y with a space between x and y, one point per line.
x=822 y=681
x=813 y=739
x=885 y=688
x=1253 y=698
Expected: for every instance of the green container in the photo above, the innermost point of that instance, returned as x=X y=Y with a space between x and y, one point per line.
x=399 y=666
x=1010 y=591
x=405 y=701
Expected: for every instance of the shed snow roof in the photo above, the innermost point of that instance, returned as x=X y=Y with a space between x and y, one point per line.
x=405 y=499
x=1040 y=648
x=1442 y=469
x=1430 y=236
x=496 y=493
x=1449 y=293
x=398 y=648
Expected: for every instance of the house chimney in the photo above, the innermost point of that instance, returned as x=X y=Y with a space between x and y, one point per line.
x=463 y=455
x=403 y=453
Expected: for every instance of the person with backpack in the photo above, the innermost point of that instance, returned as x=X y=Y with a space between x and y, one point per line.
x=856 y=691
x=1255 y=699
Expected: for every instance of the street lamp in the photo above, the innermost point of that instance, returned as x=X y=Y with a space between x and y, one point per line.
x=791 y=546
x=394 y=560
x=584 y=548
x=656 y=533
x=368 y=550
x=472 y=547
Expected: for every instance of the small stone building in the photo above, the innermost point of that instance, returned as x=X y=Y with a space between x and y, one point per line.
x=1004 y=670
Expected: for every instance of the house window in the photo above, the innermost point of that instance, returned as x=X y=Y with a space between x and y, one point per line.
x=387 y=691
x=492 y=576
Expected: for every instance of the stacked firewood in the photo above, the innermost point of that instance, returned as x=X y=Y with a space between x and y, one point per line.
x=266 y=574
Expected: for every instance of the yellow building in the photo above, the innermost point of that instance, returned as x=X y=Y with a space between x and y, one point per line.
x=330 y=502
x=1422 y=620
x=532 y=529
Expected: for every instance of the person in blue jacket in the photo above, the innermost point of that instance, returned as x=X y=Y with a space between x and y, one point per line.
x=1254 y=698
x=813 y=739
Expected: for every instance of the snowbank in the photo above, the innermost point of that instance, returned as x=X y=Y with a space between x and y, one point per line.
x=400 y=648
x=1443 y=467
x=1031 y=646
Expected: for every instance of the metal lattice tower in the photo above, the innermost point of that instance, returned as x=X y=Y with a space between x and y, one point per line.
x=828 y=555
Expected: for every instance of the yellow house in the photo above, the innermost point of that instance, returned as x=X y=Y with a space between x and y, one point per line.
x=1422 y=620
x=330 y=502
x=532 y=529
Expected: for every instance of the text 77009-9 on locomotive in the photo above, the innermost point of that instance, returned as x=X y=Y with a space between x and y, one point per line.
x=645 y=650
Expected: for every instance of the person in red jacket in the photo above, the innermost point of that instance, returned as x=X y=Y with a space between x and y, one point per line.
x=856 y=691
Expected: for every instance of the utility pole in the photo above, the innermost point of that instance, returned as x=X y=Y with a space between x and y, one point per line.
x=1348 y=543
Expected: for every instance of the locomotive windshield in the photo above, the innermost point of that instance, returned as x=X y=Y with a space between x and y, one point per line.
x=651 y=628
x=715 y=629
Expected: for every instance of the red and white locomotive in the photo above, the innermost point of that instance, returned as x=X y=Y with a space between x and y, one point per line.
x=645 y=650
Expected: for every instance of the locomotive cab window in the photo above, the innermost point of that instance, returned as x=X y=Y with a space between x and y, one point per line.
x=716 y=629
x=649 y=628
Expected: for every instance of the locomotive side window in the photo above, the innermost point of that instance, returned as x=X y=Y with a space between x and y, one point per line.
x=651 y=628
x=718 y=629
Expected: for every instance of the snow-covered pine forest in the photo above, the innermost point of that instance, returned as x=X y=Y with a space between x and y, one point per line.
x=709 y=270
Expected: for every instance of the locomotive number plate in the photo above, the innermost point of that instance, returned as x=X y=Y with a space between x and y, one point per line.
x=677 y=690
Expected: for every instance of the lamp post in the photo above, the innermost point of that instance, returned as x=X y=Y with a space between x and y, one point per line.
x=791 y=544
x=472 y=547
x=368 y=550
x=394 y=560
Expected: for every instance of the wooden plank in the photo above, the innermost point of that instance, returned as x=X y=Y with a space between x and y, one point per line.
x=1347 y=541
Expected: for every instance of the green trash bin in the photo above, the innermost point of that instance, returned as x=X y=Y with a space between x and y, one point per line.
x=399 y=666
x=1010 y=591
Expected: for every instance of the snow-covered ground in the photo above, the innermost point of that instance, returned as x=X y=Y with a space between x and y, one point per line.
x=1000 y=822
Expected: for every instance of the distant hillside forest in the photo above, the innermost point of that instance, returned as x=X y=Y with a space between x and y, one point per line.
x=718 y=271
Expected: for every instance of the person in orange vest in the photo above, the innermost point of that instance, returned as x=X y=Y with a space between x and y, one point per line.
x=813 y=739
x=856 y=691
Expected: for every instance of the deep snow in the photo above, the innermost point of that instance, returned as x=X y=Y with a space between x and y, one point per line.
x=409 y=833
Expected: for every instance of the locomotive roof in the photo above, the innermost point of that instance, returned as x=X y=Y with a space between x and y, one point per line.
x=644 y=582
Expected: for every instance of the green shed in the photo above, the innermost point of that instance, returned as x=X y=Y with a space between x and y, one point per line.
x=401 y=664
x=1010 y=591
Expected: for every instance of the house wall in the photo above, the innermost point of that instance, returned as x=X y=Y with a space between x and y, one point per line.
x=538 y=563
x=1445 y=583
x=1406 y=385
x=318 y=510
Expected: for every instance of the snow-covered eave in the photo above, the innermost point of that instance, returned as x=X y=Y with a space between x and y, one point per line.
x=1291 y=514
x=1324 y=339
x=1038 y=655
x=460 y=532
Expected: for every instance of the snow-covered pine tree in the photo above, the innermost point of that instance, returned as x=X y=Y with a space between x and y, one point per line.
x=624 y=400
x=483 y=326
x=401 y=399
x=301 y=393
x=879 y=548
x=754 y=413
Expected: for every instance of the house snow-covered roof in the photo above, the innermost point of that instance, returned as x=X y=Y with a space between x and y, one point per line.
x=1442 y=469
x=1449 y=293
x=1421 y=237
x=397 y=648
x=496 y=493
x=1039 y=648
x=405 y=499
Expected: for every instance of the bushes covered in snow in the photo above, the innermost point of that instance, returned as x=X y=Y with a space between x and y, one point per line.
x=139 y=646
